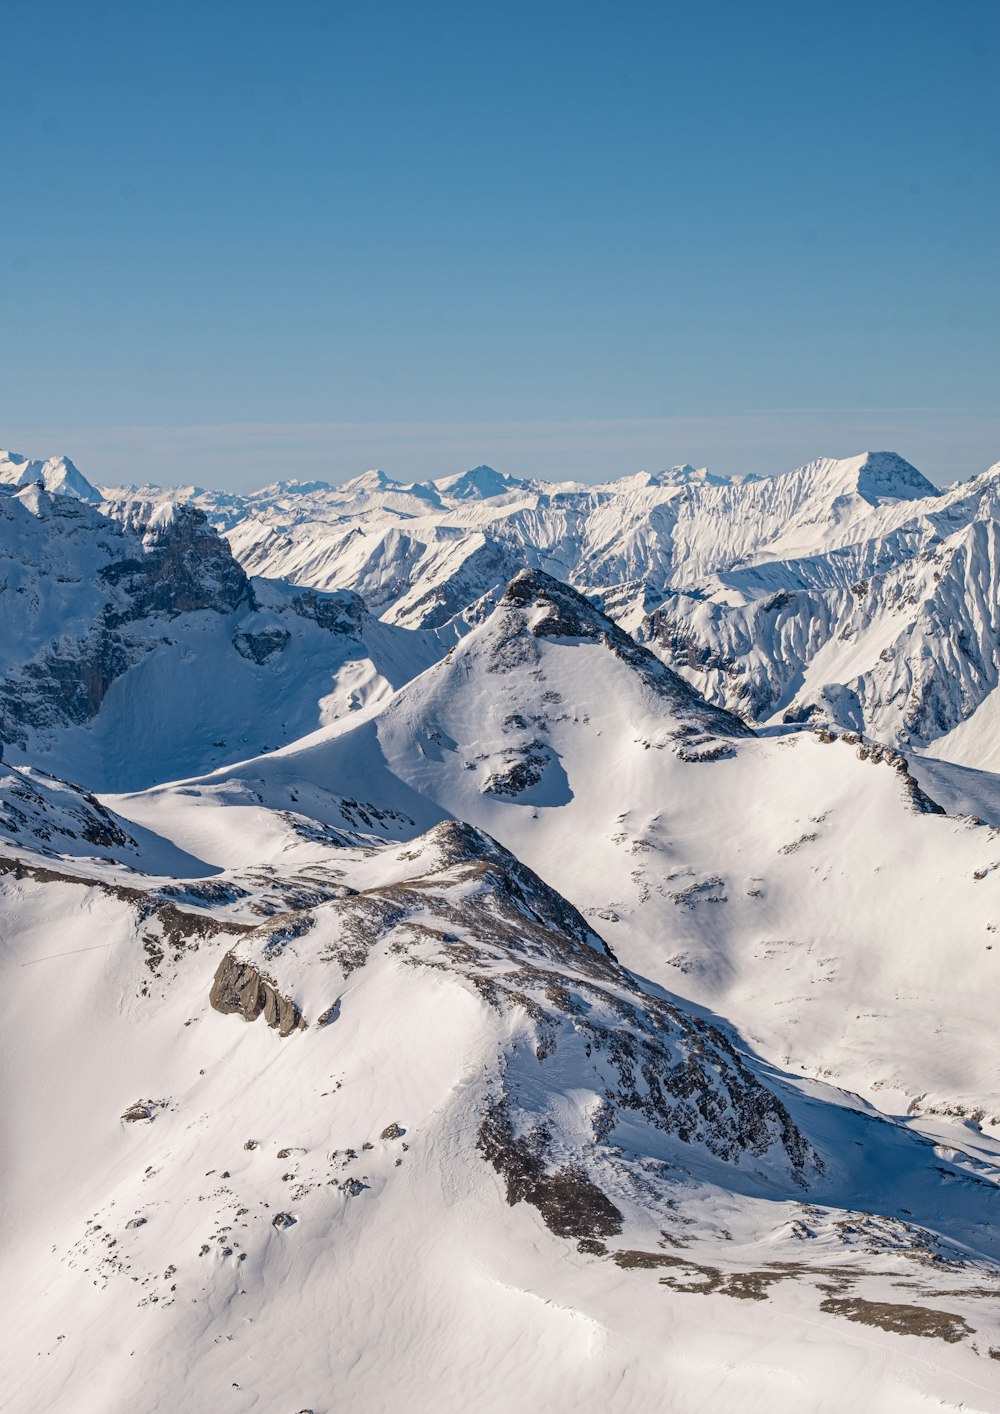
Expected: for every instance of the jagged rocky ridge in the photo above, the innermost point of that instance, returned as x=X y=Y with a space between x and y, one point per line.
x=474 y=911
x=848 y=593
x=40 y=812
x=217 y=661
x=450 y=1084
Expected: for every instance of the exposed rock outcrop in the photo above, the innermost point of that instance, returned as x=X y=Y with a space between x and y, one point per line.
x=239 y=987
x=555 y=610
x=40 y=812
x=471 y=910
x=185 y=566
x=262 y=645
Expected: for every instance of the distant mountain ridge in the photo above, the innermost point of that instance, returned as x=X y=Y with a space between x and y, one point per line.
x=745 y=585
x=851 y=593
x=487 y=960
x=136 y=649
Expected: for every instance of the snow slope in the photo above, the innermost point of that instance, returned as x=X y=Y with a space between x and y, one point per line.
x=803 y=887
x=457 y=1009
x=470 y=1161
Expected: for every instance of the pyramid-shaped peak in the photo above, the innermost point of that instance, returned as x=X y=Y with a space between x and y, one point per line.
x=886 y=476
x=554 y=610
x=478 y=483
x=369 y=483
x=874 y=476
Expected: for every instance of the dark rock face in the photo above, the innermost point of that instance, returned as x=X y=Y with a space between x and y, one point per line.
x=566 y=612
x=39 y=810
x=647 y=1060
x=514 y=884
x=681 y=645
x=66 y=683
x=263 y=645
x=239 y=987
x=186 y=566
x=521 y=774
x=569 y=1203
x=877 y=752
x=342 y=612
x=157 y=570
x=140 y=1111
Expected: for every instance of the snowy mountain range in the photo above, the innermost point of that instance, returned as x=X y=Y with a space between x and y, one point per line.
x=852 y=594
x=484 y=942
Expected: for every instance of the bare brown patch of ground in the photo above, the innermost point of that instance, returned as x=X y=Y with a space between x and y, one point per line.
x=900 y=1319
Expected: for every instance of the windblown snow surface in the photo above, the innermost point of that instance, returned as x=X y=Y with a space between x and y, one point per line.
x=483 y=945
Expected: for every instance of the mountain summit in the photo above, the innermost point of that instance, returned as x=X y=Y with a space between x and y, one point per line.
x=57 y=475
x=875 y=476
x=411 y=934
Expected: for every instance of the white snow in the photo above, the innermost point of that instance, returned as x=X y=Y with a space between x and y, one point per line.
x=750 y=1162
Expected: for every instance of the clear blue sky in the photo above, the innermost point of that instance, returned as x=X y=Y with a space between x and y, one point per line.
x=390 y=212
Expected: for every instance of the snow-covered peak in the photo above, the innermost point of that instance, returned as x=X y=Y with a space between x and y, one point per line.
x=294 y=487
x=479 y=483
x=550 y=609
x=555 y=610
x=688 y=475
x=874 y=476
x=886 y=476
x=563 y=610
x=370 y=483
x=57 y=474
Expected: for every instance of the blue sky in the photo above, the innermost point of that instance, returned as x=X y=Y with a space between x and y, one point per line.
x=369 y=214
